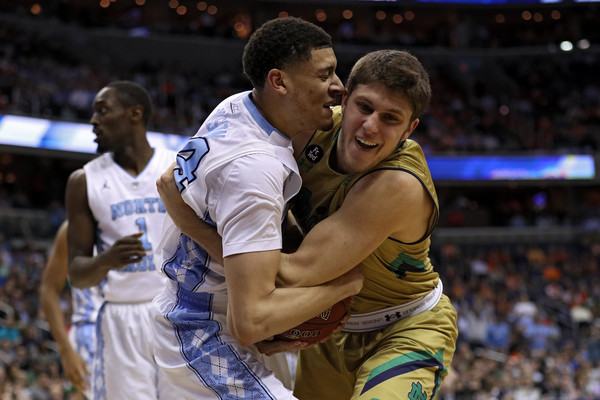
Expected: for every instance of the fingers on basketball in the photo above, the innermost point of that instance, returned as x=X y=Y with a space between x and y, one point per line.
x=319 y=327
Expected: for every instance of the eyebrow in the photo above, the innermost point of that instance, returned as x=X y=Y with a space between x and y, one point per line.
x=388 y=110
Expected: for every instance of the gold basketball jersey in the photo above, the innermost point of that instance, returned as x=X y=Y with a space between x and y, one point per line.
x=396 y=272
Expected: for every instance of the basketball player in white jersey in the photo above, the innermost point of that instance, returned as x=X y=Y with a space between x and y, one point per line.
x=237 y=173
x=75 y=348
x=112 y=203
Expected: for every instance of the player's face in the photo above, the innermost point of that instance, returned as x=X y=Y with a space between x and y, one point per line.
x=110 y=121
x=314 y=89
x=375 y=121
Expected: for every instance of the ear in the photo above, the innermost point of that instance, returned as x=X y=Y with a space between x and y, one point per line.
x=410 y=129
x=277 y=80
x=136 y=113
x=344 y=101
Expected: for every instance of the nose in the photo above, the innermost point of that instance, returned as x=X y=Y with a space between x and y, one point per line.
x=93 y=119
x=337 y=87
x=370 y=123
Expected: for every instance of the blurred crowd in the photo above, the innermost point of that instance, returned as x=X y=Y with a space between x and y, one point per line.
x=529 y=319
x=523 y=96
x=529 y=313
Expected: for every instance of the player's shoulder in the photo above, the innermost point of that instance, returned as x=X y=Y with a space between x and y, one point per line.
x=103 y=161
x=397 y=184
x=165 y=154
x=77 y=177
x=258 y=166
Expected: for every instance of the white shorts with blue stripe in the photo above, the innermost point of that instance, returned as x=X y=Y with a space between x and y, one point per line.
x=124 y=364
x=193 y=347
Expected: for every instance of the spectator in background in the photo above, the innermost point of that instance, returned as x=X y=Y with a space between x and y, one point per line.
x=498 y=334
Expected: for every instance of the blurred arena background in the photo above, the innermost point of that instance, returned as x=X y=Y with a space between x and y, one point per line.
x=512 y=135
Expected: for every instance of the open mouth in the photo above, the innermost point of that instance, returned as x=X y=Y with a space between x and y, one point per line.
x=365 y=144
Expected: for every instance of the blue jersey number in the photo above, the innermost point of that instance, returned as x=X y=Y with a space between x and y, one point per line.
x=141 y=223
x=188 y=160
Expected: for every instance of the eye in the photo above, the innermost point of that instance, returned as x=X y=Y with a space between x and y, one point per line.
x=364 y=107
x=391 y=118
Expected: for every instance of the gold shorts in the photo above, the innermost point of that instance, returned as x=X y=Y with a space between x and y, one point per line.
x=405 y=360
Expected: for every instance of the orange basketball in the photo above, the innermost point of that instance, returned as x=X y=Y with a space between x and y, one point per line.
x=320 y=326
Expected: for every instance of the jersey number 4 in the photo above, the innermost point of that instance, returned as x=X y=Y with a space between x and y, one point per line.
x=188 y=160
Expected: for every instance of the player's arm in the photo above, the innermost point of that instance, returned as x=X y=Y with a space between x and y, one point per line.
x=249 y=207
x=53 y=280
x=199 y=231
x=85 y=269
x=257 y=309
x=382 y=204
x=185 y=218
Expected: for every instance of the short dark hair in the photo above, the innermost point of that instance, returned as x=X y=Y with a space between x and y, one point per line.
x=279 y=43
x=131 y=94
x=397 y=70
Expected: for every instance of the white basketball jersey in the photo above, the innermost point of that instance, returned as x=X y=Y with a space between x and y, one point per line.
x=122 y=205
x=237 y=172
x=86 y=303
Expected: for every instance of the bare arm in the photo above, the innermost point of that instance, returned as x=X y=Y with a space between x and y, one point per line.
x=391 y=203
x=258 y=310
x=53 y=281
x=185 y=218
x=206 y=235
x=382 y=204
x=85 y=269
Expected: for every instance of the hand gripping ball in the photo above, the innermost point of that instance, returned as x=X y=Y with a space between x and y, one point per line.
x=318 y=327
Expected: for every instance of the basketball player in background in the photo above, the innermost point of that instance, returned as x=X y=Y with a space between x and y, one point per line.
x=112 y=203
x=237 y=173
x=367 y=199
x=75 y=348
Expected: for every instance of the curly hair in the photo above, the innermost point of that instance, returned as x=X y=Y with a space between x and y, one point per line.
x=397 y=70
x=279 y=43
x=132 y=94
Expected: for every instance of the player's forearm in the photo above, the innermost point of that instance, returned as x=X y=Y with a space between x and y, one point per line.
x=310 y=266
x=203 y=234
x=50 y=302
x=285 y=308
x=86 y=272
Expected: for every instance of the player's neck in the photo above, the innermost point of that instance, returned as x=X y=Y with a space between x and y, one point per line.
x=134 y=160
x=272 y=109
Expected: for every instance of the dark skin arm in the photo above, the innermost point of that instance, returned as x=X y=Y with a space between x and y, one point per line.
x=53 y=281
x=85 y=269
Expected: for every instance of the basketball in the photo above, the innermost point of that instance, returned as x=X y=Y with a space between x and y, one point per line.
x=320 y=326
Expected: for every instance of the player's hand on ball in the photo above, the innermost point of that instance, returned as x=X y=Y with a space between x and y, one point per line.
x=273 y=346
x=341 y=324
x=320 y=327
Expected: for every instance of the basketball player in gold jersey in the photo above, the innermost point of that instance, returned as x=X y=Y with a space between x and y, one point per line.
x=368 y=199
x=374 y=186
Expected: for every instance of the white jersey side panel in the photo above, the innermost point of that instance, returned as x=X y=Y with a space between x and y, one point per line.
x=86 y=303
x=123 y=204
x=237 y=172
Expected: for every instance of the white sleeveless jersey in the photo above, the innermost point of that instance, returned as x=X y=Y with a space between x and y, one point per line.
x=86 y=303
x=123 y=204
x=237 y=173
